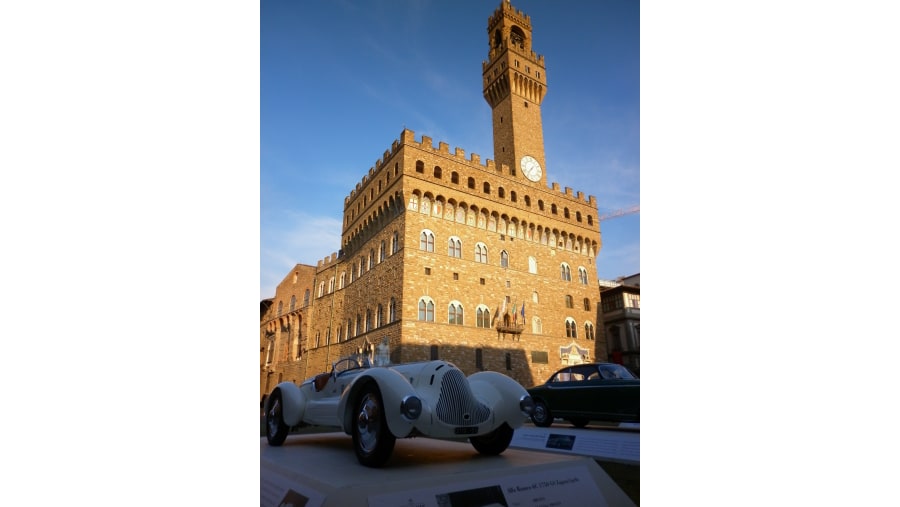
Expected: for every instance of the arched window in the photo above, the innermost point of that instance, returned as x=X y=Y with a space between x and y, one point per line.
x=553 y=208
x=343 y=280
x=437 y=172
x=368 y=319
x=512 y=195
x=454 y=178
x=454 y=247
x=395 y=243
x=359 y=324
x=371 y=259
x=434 y=352
x=587 y=304
x=426 y=241
x=565 y=273
x=471 y=183
x=349 y=327
x=571 y=328
x=568 y=301
x=420 y=166
x=528 y=201
x=588 y=330
x=392 y=310
x=582 y=275
x=455 y=313
x=536 y=326
x=566 y=212
x=379 y=316
x=280 y=307
x=331 y=285
x=321 y=289
x=486 y=187
x=426 y=309
x=541 y=204
x=381 y=252
x=293 y=302
x=306 y=298
x=504 y=259
x=483 y=316
x=534 y=296
x=481 y=253
x=501 y=193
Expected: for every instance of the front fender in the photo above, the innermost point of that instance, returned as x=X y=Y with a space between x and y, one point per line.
x=502 y=394
x=393 y=387
x=293 y=402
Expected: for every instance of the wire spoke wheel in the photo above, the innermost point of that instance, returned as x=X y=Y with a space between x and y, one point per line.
x=372 y=439
x=276 y=429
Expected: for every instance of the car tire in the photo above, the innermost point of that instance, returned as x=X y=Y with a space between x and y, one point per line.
x=372 y=439
x=494 y=442
x=276 y=430
x=541 y=415
x=579 y=422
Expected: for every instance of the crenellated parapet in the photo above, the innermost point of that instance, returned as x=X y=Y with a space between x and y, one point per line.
x=327 y=261
x=508 y=39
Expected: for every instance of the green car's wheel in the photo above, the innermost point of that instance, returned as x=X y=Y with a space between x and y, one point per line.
x=494 y=442
x=541 y=415
x=276 y=429
x=372 y=440
x=579 y=422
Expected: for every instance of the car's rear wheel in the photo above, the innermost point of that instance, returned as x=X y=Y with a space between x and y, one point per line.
x=541 y=415
x=579 y=422
x=372 y=440
x=494 y=442
x=276 y=429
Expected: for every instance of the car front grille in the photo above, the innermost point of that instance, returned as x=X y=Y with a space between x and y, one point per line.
x=456 y=404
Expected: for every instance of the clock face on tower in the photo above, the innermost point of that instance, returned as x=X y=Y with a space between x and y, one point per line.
x=531 y=168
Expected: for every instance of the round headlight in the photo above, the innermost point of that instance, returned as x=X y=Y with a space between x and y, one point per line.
x=526 y=405
x=411 y=407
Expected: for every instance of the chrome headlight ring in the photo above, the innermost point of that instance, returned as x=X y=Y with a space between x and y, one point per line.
x=411 y=407
x=526 y=405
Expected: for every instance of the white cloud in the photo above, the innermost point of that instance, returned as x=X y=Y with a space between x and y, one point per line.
x=295 y=238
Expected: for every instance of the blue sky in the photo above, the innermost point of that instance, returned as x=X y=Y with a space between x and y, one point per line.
x=339 y=80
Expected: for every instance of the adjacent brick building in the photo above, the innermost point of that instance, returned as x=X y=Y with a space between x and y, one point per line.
x=445 y=256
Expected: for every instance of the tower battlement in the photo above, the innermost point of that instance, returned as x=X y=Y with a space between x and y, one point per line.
x=426 y=143
x=506 y=9
x=322 y=263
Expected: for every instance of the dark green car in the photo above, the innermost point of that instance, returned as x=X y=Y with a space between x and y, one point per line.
x=588 y=392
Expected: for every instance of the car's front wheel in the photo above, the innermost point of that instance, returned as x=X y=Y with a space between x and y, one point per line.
x=494 y=442
x=541 y=415
x=276 y=429
x=579 y=422
x=372 y=440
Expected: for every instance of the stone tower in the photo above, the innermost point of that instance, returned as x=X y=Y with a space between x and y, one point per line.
x=515 y=82
x=446 y=256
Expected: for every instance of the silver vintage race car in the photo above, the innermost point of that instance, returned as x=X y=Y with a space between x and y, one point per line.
x=377 y=405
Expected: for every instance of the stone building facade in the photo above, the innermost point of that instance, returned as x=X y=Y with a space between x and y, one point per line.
x=444 y=256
